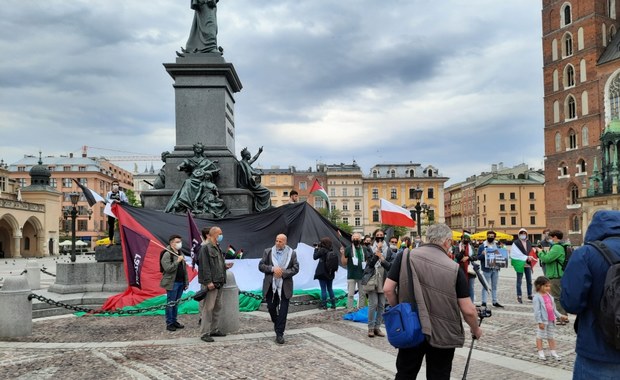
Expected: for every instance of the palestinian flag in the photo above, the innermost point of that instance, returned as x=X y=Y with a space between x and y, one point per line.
x=319 y=191
x=231 y=253
x=517 y=260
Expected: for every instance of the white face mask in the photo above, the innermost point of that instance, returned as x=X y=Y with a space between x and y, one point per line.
x=178 y=246
x=115 y=187
x=523 y=237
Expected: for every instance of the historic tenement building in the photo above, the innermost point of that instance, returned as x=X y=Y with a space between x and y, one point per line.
x=581 y=68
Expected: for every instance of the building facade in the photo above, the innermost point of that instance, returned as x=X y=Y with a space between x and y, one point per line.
x=397 y=183
x=303 y=181
x=345 y=190
x=96 y=173
x=581 y=69
x=279 y=182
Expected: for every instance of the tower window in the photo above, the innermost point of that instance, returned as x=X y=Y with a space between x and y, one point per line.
x=566 y=17
x=572 y=139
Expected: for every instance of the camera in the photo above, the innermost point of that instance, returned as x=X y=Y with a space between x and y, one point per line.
x=483 y=312
x=315 y=245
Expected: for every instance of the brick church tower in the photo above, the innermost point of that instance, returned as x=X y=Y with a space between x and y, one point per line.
x=581 y=65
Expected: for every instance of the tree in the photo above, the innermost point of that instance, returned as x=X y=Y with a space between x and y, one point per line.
x=335 y=217
x=131 y=196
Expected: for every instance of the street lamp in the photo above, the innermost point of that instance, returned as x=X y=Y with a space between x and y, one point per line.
x=75 y=197
x=419 y=209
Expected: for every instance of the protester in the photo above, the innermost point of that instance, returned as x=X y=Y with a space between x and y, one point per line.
x=174 y=279
x=545 y=315
x=375 y=274
x=442 y=295
x=523 y=248
x=554 y=261
x=353 y=258
x=545 y=245
x=325 y=277
x=392 y=249
x=116 y=195
x=293 y=196
x=212 y=276
x=465 y=255
x=490 y=274
x=582 y=290
x=279 y=264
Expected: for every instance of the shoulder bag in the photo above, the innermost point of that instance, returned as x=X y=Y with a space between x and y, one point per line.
x=402 y=322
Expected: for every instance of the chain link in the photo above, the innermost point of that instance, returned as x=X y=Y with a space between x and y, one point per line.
x=47 y=273
x=23 y=272
x=108 y=312
x=294 y=303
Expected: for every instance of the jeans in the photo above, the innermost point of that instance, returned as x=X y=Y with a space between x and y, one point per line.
x=376 y=306
x=586 y=369
x=491 y=277
x=326 y=287
x=528 y=279
x=438 y=362
x=361 y=301
x=278 y=310
x=173 y=295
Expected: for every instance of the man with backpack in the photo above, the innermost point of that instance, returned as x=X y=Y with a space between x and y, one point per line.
x=555 y=262
x=583 y=287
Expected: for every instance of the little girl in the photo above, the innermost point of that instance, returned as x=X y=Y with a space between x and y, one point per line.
x=545 y=315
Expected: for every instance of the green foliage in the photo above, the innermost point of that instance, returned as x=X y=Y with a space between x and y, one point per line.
x=131 y=196
x=335 y=216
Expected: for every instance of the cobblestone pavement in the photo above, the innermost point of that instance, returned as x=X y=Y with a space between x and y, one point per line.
x=319 y=345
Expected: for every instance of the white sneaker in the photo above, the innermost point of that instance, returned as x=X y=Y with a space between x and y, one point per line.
x=556 y=356
x=541 y=356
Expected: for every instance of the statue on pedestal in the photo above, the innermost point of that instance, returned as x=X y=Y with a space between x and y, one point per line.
x=198 y=193
x=160 y=181
x=250 y=178
x=203 y=34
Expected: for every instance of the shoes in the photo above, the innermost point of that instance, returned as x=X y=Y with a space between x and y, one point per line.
x=207 y=338
x=378 y=332
x=217 y=333
x=541 y=355
x=519 y=299
x=178 y=325
x=484 y=304
x=280 y=339
x=529 y=298
x=171 y=328
x=371 y=333
x=496 y=304
x=555 y=355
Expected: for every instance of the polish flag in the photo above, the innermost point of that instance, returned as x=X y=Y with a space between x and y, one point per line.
x=395 y=215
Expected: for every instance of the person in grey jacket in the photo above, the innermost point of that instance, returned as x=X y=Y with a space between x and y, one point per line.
x=211 y=275
x=545 y=314
x=174 y=278
x=279 y=264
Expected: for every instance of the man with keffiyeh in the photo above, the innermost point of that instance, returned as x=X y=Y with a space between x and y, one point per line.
x=279 y=264
x=354 y=258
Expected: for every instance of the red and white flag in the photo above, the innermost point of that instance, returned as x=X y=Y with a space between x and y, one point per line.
x=395 y=215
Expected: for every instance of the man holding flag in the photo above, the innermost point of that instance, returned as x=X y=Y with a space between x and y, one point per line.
x=523 y=257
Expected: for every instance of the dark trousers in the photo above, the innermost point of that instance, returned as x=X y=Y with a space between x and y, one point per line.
x=278 y=310
x=326 y=287
x=438 y=362
x=111 y=221
x=528 y=281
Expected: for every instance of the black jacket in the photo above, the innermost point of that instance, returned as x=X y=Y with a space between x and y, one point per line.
x=211 y=265
x=320 y=273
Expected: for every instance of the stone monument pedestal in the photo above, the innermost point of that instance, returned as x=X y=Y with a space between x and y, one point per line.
x=89 y=277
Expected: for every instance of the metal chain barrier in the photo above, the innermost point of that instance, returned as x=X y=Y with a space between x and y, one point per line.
x=294 y=303
x=47 y=273
x=108 y=312
x=24 y=272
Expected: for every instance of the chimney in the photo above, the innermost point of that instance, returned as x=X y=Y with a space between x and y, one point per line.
x=494 y=168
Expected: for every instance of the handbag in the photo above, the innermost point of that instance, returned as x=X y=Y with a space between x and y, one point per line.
x=402 y=322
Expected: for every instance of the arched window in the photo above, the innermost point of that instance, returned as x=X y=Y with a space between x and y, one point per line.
x=554 y=50
x=563 y=169
x=558 y=142
x=556 y=81
x=576 y=223
x=581 y=166
x=375 y=173
x=567 y=45
x=585 y=104
x=574 y=194
x=412 y=173
x=26 y=244
x=556 y=112
x=611 y=9
x=572 y=139
x=393 y=173
x=584 y=136
x=582 y=71
x=614 y=98
x=580 y=43
x=569 y=76
x=570 y=108
x=565 y=15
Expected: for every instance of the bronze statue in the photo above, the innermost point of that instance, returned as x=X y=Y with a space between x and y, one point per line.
x=160 y=181
x=203 y=34
x=250 y=178
x=198 y=192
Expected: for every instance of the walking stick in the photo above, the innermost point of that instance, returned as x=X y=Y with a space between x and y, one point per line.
x=483 y=313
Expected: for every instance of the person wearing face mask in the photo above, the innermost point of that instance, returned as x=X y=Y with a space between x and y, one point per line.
x=522 y=255
x=174 y=278
x=116 y=195
x=211 y=275
x=375 y=272
x=465 y=255
x=490 y=274
x=353 y=257
x=392 y=249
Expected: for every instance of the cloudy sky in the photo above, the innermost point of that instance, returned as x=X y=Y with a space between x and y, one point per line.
x=454 y=84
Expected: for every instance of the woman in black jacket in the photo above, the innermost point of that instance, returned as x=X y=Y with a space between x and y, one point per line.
x=325 y=277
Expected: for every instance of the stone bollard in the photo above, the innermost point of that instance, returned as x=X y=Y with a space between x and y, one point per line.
x=15 y=308
x=33 y=274
x=229 y=317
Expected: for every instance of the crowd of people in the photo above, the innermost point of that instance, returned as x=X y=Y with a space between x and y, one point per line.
x=444 y=282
